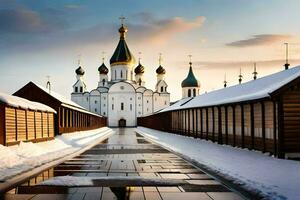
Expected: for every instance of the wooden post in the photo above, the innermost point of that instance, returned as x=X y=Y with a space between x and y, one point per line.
x=2 y=125
x=275 y=129
x=197 y=125
x=233 y=125
x=226 y=125
x=189 y=122
x=220 y=125
x=34 y=120
x=16 y=121
x=213 y=124
x=252 y=125
x=280 y=144
x=26 y=124
x=263 y=125
x=243 y=125
x=201 y=122
x=207 y=129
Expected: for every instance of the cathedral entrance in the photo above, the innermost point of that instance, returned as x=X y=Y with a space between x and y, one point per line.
x=122 y=123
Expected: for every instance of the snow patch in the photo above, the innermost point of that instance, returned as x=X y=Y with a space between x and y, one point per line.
x=269 y=176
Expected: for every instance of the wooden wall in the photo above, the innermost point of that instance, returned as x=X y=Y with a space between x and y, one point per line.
x=247 y=125
x=25 y=125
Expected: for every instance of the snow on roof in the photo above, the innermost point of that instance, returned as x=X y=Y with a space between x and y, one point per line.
x=177 y=105
x=19 y=102
x=255 y=89
x=65 y=102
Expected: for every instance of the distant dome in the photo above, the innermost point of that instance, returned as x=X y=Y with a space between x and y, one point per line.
x=80 y=71
x=160 y=70
x=103 y=69
x=139 y=69
x=190 y=80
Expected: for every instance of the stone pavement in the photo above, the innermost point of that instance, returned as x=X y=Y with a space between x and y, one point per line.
x=126 y=154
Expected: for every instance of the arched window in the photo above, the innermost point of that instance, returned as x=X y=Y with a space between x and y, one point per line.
x=121 y=74
x=189 y=93
x=115 y=74
x=103 y=82
x=130 y=107
x=194 y=92
x=161 y=89
x=122 y=106
x=81 y=89
x=76 y=89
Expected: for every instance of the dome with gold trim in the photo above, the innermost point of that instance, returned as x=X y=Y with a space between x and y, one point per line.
x=160 y=70
x=140 y=69
x=80 y=71
x=122 y=54
x=103 y=69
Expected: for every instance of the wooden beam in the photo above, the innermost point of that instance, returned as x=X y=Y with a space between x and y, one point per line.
x=280 y=144
x=275 y=129
x=233 y=125
x=242 y=126
x=201 y=122
x=2 y=125
x=207 y=124
x=263 y=125
x=252 y=124
x=197 y=123
x=226 y=125
x=220 y=125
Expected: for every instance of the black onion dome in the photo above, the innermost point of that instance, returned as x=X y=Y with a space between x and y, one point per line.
x=122 y=54
x=103 y=69
x=139 y=69
x=160 y=70
x=80 y=71
x=190 y=80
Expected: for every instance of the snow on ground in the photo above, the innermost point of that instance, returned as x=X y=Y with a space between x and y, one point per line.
x=25 y=156
x=269 y=176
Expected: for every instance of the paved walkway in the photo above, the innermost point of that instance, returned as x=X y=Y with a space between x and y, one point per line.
x=136 y=168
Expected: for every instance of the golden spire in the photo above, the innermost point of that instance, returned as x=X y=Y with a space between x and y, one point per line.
x=255 y=72
x=160 y=59
x=240 y=76
x=225 y=81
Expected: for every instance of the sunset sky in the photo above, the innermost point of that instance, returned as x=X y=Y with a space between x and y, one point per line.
x=41 y=38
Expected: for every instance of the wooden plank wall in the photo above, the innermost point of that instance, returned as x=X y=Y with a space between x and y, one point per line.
x=248 y=125
x=26 y=125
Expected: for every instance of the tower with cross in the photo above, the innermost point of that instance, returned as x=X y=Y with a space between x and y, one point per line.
x=190 y=85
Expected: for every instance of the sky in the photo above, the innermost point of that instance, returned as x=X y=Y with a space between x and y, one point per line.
x=45 y=38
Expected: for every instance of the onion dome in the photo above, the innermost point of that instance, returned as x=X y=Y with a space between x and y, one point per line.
x=139 y=69
x=190 y=80
x=103 y=69
x=122 y=54
x=160 y=70
x=80 y=71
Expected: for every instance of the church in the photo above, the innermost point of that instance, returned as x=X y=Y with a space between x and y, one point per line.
x=123 y=97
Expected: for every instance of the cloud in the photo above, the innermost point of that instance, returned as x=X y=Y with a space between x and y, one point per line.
x=29 y=21
x=162 y=30
x=259 y=40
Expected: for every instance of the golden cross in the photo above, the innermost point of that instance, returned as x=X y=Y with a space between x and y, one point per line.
x=122 y=18
x=160 y=58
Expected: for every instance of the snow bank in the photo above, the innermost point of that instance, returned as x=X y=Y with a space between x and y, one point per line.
x=25 y=156
x=19 y=102
x=271 y=177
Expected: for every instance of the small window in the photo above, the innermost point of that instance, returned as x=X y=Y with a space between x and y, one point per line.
x=103 y=105
x=194 y=92
x=121 y=74
x=139 y=104
x=81 y=89
x=189 y=93
x=96 y=102
x=147 y=109
x=147 y=101
x=87 y=99
x=165 y=88
x=104 y=113
x=130 y=107
x=115 y=74
x=165 y=102
x=104 y=98
x=161 y=89
x=131 y=99
x=122 y=106
x=112 y=106
x=76 y=89
x=95 y=109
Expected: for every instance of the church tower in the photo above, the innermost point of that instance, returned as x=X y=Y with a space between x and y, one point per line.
x=139 y=74
x=103 y=77
x=161 y=85
x=122 y=61
x=79 y=86
x=190 y=85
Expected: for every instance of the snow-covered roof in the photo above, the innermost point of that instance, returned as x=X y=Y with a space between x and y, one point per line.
x=19 y=102
x=65 y=102
x=252 y=90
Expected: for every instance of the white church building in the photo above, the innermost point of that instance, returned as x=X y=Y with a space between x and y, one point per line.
x=123 y=97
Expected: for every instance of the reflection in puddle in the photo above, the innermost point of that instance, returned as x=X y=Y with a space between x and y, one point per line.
x=122 y=193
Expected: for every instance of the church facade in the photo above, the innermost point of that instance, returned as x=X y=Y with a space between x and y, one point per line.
x=123 y=97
